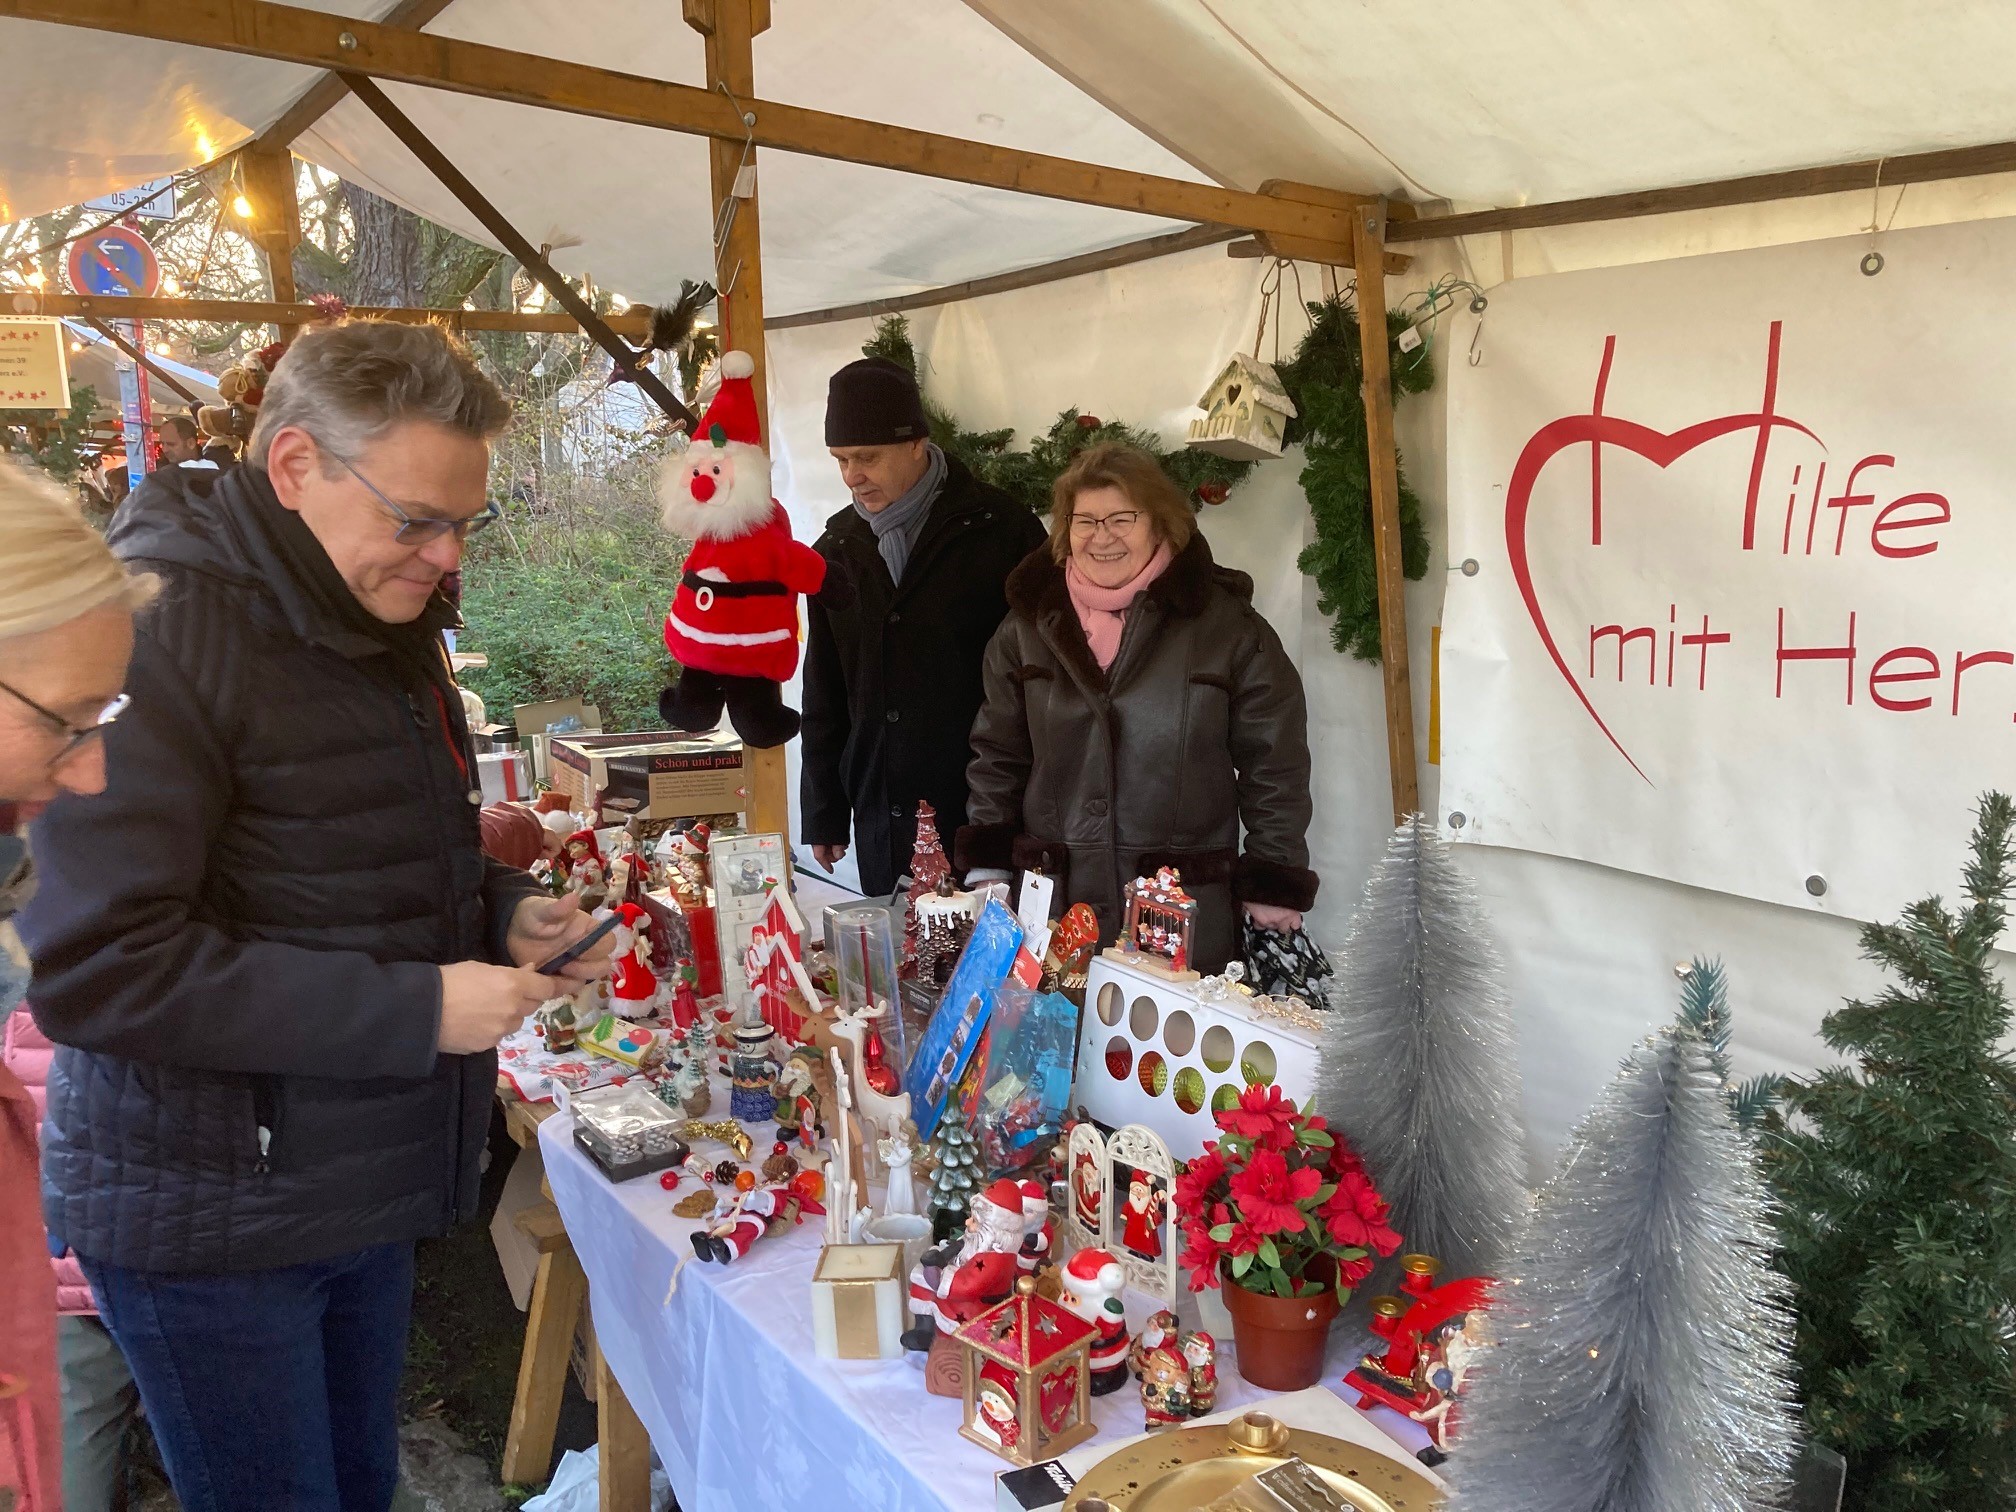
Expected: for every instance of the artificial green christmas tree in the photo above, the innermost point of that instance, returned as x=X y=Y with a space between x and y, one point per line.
x=1897 y=1177
x=954 y=1178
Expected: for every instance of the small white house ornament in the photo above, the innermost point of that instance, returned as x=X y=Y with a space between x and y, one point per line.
x=1246 y=412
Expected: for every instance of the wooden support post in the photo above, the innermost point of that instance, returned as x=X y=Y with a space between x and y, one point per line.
x=276 y=219
x=472 y=199
x=1369 y=255
x=558 y=1289
x=624 y=1469
x=729 y=27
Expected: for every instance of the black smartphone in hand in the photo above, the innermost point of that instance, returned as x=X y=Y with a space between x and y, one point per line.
x=579 y=948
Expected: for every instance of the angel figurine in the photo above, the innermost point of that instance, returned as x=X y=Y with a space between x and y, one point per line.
x=897 y=1149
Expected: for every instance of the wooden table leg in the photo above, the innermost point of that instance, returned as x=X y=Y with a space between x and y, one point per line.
x=625 y=1457
x=557 y=1294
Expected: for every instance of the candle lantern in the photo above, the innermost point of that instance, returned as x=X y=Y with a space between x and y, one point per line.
x=1026 y=1369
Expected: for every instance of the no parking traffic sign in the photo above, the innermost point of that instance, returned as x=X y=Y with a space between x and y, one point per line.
x=114 y=260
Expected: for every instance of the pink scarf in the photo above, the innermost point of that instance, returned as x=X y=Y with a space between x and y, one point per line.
x=1103 y=611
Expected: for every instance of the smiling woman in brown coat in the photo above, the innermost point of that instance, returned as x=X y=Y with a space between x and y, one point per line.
x=1140 y=713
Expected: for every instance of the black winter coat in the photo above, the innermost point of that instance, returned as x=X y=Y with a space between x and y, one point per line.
x=892 y=683
x=1196 y=731
x=235 y=945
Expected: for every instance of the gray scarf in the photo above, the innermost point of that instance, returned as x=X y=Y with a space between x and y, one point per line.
x=897 y=525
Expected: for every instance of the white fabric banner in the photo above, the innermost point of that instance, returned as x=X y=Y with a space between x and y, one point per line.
x=1741 y=528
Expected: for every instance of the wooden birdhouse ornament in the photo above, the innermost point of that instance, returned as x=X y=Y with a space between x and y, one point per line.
x=1027 y=1372
x=1246 y=412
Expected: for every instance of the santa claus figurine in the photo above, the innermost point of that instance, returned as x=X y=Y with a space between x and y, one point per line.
x=1141 y=1220
x=685 y=1001
x=950 y=1286
x=744 y=1215
x=1038 y=1233
x=1092 y=1283
x=733 y=625
x=633 y=986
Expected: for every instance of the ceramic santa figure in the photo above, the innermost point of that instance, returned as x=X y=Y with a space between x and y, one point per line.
x=1141 y=1220
x=733 y=624
x=1092 y=1284
x=1200 y=1349
x=1038 y=1233
x=950 y=1286
x=633 y=986
x=685 y=1001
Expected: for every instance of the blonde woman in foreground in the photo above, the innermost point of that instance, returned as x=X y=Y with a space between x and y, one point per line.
x=66 y=631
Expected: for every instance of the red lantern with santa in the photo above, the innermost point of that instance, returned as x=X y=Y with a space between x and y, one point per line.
x=733 y=624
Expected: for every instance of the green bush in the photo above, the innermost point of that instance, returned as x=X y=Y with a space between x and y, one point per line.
x=567 y=594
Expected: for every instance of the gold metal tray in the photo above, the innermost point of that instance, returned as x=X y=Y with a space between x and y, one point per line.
x=1180 y=1469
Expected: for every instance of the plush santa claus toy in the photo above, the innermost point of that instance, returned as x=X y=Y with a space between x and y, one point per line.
x=1092 y=1283
x=733 y=625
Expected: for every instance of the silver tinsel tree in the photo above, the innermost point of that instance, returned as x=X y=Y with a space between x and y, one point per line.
x=1420 y=1066
x=1642 y=1341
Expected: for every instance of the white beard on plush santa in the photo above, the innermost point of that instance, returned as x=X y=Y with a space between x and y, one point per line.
x=733 y=624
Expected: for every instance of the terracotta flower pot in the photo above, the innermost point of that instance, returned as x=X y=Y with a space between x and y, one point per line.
x=1280 y=1340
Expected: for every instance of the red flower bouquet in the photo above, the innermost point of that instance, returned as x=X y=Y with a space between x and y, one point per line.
x=1274 y=1195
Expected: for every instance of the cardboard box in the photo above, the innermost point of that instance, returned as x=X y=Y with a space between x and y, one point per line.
x=1041 y=1487
x=534 y=720
x=516 y=1253
x=650 y=775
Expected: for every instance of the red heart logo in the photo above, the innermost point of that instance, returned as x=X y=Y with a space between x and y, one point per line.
x=1662 y=449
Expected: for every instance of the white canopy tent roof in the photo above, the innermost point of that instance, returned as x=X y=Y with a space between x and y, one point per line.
x=1493 y=104
x=1481 y=104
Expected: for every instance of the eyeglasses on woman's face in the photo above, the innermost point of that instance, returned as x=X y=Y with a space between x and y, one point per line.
x=1120 y=523
x=75 y=737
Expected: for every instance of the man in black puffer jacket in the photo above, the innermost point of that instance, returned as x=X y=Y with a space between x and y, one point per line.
x=273 y=956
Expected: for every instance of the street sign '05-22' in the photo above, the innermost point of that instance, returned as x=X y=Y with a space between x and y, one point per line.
x=114 y=260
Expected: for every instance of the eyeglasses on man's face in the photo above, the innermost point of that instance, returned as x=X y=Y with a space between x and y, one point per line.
x=420 y=530
x=75 y=737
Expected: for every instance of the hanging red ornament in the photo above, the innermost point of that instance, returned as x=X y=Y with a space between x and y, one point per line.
x=1089 y=422
x=1212 y=493
x=875 y=1066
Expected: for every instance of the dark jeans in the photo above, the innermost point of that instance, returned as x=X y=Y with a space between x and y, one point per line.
x=270 y=1389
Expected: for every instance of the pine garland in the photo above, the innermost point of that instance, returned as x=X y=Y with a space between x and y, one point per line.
x=1323 y=380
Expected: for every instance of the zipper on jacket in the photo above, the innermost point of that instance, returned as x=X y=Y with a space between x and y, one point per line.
x=453 y=1175
x=263 y=1118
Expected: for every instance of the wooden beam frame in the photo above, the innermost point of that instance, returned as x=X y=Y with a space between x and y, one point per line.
x=260 y=28
x=730 y=28
x=257 y=312
x=325 y=92
x=1022 y=278
x=452 y=179
x=1375 y=362
x=143 y=359
x=1718 y=194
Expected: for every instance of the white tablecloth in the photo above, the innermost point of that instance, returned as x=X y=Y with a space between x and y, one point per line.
x=744 y=1416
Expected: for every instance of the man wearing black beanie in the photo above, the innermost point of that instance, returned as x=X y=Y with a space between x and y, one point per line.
x=892 y=682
